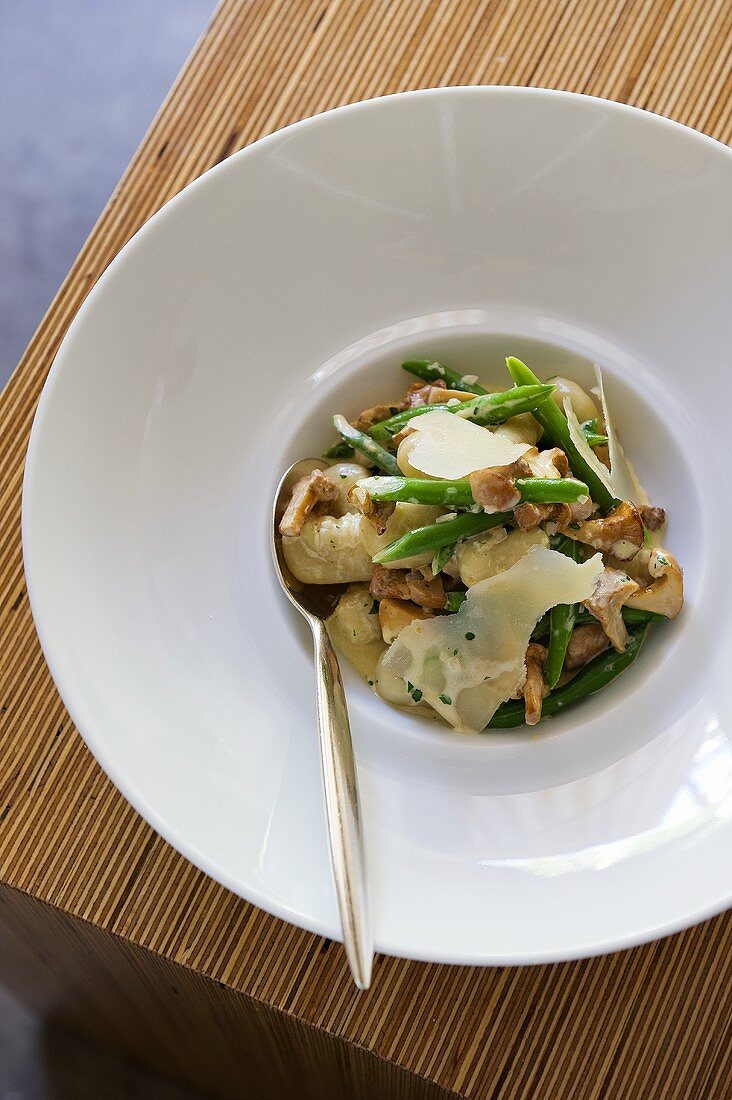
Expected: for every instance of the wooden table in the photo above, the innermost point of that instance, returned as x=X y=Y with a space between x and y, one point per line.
x=107 y=926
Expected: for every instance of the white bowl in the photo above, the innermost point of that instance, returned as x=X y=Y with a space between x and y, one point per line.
x=288 y=283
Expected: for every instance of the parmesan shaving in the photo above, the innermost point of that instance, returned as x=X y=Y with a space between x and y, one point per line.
x=624 y=482
x=579 y=439
x=444 y=445
x=495 y=551
x=467 y=664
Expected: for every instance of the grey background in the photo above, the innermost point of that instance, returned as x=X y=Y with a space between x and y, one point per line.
x=80 y=81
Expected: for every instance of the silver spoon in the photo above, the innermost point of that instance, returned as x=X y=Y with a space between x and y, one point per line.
x=340 y=784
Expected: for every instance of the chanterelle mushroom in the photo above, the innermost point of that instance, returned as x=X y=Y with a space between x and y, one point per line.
x=580 y=510
x=620 y=533
x=653 y=518
x=613 y=589
x=308 y=491
x=551 y=463
x=535 y=686
x=530 y=515
x=433 y=393
x=561 y=515
x=494 y=488
x=407 y=584
x=586 y=642
x=377 y=512
x=419 y=393
x=665 y=593
x=374 y=415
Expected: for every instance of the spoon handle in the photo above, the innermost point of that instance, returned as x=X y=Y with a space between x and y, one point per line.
x=340 y=785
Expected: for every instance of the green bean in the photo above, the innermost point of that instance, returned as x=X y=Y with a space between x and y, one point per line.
x=442 y=557
x=436 y=535
x=419 y=490
x=632 y=616
x=561 y=624
x=339 y=450
x=551 y=490
x=385 y=429
x=366 y=445
x=497 y=407
x=491 y=408
x=455 y=600
x=593 y=437
x=458 y=494
x=554 y=423
x=430 y=371
x=597 y=674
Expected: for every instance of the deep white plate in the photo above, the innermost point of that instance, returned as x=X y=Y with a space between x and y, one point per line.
x=286 y=284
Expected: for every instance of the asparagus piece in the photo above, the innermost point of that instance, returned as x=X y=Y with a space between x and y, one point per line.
x=436 y=535
x=458 y=494
x=554 y=423
x=600 y=671
x=366 y=445
x=491 y=408
x=561 y=624
x=430 y=371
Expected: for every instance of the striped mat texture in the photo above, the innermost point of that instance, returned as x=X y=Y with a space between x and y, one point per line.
x=648 y=1023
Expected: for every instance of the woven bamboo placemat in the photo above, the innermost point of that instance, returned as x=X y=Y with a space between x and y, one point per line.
x=650 y=1022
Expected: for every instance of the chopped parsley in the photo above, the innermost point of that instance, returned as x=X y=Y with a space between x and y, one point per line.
x=446 y=700
x=469 y=636
x=414 y=692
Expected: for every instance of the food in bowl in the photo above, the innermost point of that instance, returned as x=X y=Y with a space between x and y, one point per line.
x=501 y=560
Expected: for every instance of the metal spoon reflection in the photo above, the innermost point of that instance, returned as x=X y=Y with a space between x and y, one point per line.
x=340 y=783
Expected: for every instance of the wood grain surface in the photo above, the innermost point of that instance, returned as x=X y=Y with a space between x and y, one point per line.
x=652 y=1022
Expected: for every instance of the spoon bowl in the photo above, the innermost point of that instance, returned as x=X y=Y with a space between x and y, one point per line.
x=319 y=600
x=340 y=782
